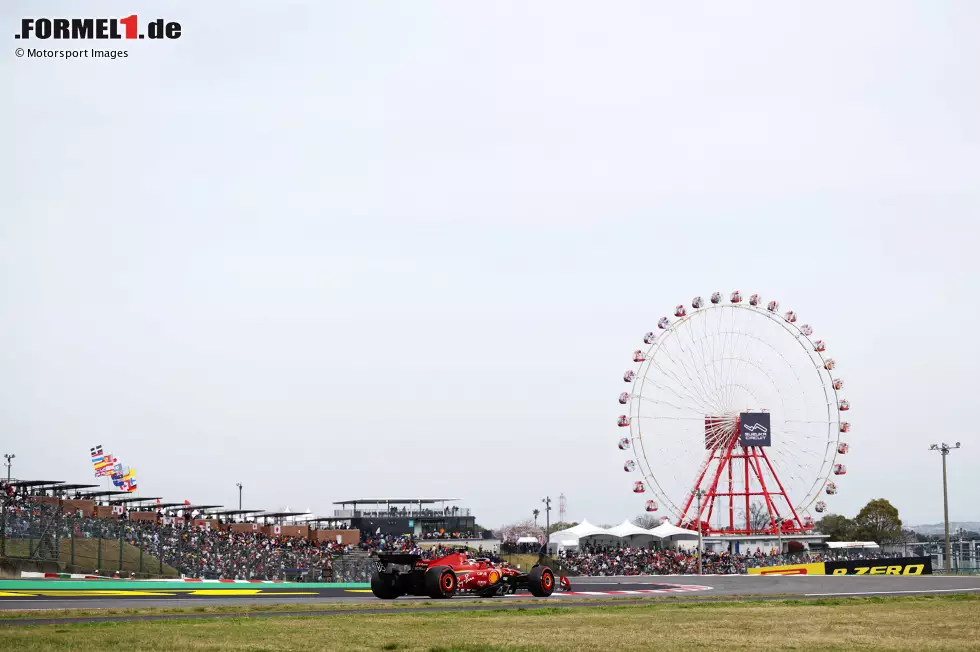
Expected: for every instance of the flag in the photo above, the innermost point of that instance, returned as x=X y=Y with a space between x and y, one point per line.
x=119 y=478
x=96 y=452
x=103 y=465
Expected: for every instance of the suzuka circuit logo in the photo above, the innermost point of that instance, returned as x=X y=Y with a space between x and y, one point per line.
x=755 y=429
x=130 y=27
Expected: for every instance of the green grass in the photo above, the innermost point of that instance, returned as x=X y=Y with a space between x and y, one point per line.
x=87 y=556
x=916 y=624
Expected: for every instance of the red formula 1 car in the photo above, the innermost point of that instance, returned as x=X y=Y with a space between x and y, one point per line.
x=408 y=574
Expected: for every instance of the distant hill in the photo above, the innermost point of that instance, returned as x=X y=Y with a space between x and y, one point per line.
x=939 y=528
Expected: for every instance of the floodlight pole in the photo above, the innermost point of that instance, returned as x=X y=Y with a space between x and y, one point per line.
x=699 y=493
x=8 y=464
x=239 y=485
x=944 y=449
x=547 y=520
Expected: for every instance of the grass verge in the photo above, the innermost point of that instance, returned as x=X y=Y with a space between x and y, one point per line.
x=910 y=623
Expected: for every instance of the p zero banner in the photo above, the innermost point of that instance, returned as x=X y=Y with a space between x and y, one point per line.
x=755 y=429
x=897 y=566
x=795 y=569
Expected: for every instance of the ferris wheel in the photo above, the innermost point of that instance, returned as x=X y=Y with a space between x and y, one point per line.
x=734 y=418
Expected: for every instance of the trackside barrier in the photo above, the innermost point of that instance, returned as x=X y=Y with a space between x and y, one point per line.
x=896 y=566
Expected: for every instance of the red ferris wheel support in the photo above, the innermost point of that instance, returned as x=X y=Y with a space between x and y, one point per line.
x=749 y=474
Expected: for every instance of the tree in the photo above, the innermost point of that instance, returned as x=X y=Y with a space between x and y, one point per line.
x=840 y=528
x=536 y=513
x=646 y=521
x=759 y=518
x=512 y=532
x=878 y=521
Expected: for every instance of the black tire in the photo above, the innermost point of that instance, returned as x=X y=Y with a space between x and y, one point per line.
x=541 y=582
x=383 y=586
x=440 y=582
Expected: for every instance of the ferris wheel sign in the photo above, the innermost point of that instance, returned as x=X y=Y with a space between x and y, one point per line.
x=755 y=429
x=736 y=402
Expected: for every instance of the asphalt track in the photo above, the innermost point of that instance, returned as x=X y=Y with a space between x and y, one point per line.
x=55 y=595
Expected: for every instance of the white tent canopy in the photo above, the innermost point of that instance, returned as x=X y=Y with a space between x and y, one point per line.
x=666 y=530
x=580 y=531
x=628 y=529
x=527 y=540
x=625 y=531
x=586 y=529
x=852 y=544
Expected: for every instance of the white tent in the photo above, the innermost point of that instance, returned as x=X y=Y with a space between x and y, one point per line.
x=852 y=544
x=527 y=540
x=628 y=529
x=570 y=538
x=668 y=531
x=625 y=531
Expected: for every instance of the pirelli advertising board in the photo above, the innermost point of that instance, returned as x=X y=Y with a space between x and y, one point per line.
x=793 y=569
x=898 y=566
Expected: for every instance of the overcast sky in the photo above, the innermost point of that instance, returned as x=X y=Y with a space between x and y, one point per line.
x=339 y=250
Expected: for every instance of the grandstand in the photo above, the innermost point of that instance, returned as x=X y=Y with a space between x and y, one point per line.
x=422 y=518
x=110 y=530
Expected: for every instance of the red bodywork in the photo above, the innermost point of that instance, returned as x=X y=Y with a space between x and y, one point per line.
x=400 y=574
x=477 y=574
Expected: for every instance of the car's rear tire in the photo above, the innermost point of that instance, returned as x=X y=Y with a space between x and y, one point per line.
x=440 y=582
x=383 y=586
x=541 y=582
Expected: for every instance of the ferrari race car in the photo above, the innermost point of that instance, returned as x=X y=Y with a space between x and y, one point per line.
x=409 y=574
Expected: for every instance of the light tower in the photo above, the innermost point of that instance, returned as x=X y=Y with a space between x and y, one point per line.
x=944 y=449
x=8 y=464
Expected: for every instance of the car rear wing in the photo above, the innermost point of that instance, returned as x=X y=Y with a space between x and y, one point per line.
x=402 y=559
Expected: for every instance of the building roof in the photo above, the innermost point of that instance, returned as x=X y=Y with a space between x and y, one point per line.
x=133 y=499
x=395 y=501
x=235 y=512
x=107 y=492
x=280 y=514
x=317 y=519
x=193 y=507
x=66 y=487
x=34 y=483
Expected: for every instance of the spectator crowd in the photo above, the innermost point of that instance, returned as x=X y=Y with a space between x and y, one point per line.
x=609 y=560
x=209 y=553
x=219 y=553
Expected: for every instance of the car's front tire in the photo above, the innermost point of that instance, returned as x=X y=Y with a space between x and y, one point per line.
x=541 y=582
